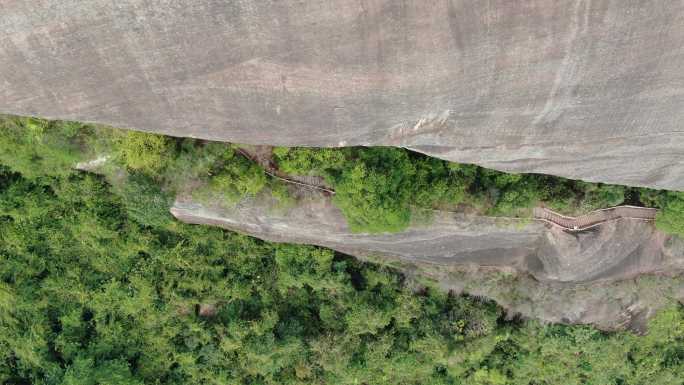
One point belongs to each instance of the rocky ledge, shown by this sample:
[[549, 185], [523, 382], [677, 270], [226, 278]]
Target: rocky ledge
[[605, 276]]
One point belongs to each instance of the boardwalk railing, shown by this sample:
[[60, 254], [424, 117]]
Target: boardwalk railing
[[594, 218], [271, 170]]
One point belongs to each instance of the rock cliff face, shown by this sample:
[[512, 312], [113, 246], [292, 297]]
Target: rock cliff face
[[603, 276], [584, 89]]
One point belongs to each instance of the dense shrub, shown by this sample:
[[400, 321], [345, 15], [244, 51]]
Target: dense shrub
[[144, 201], [671, 217], [144, 152], [309, 161], [377, 188], [598, 195]]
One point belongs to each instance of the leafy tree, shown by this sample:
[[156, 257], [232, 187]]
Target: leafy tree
[[368, 200], [235, 177], [670, 219]]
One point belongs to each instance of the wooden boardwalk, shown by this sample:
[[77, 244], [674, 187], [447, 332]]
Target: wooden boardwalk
[[594, 218]]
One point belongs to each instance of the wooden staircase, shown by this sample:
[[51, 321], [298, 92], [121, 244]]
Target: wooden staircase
[[594, 218]]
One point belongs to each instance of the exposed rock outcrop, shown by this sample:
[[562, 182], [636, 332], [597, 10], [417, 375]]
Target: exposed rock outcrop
[[585, 89], [601, 276]]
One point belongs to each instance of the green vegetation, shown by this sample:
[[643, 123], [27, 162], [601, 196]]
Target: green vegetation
[[375, 187], [671, 216], [237, 177], [36, 147], [148, 168], [99, 285], [143, 152], [378, 189], [94, 290]]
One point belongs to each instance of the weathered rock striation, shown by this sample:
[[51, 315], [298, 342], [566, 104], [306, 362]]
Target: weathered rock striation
[[585, 89]]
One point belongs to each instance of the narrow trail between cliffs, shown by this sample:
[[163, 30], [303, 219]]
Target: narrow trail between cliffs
[[543, 214]]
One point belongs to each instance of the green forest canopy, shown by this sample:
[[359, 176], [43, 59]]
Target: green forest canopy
[[90, 295], [99, 285]]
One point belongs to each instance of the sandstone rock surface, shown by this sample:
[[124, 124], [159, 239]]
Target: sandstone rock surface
[[584, 89]]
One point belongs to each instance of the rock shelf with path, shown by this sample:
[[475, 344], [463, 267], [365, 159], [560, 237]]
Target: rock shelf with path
[[265, 161]]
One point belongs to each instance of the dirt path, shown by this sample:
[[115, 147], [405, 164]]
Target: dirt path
[[594, 218]]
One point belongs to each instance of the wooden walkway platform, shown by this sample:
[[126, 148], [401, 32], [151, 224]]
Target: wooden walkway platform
[[594, 218]]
